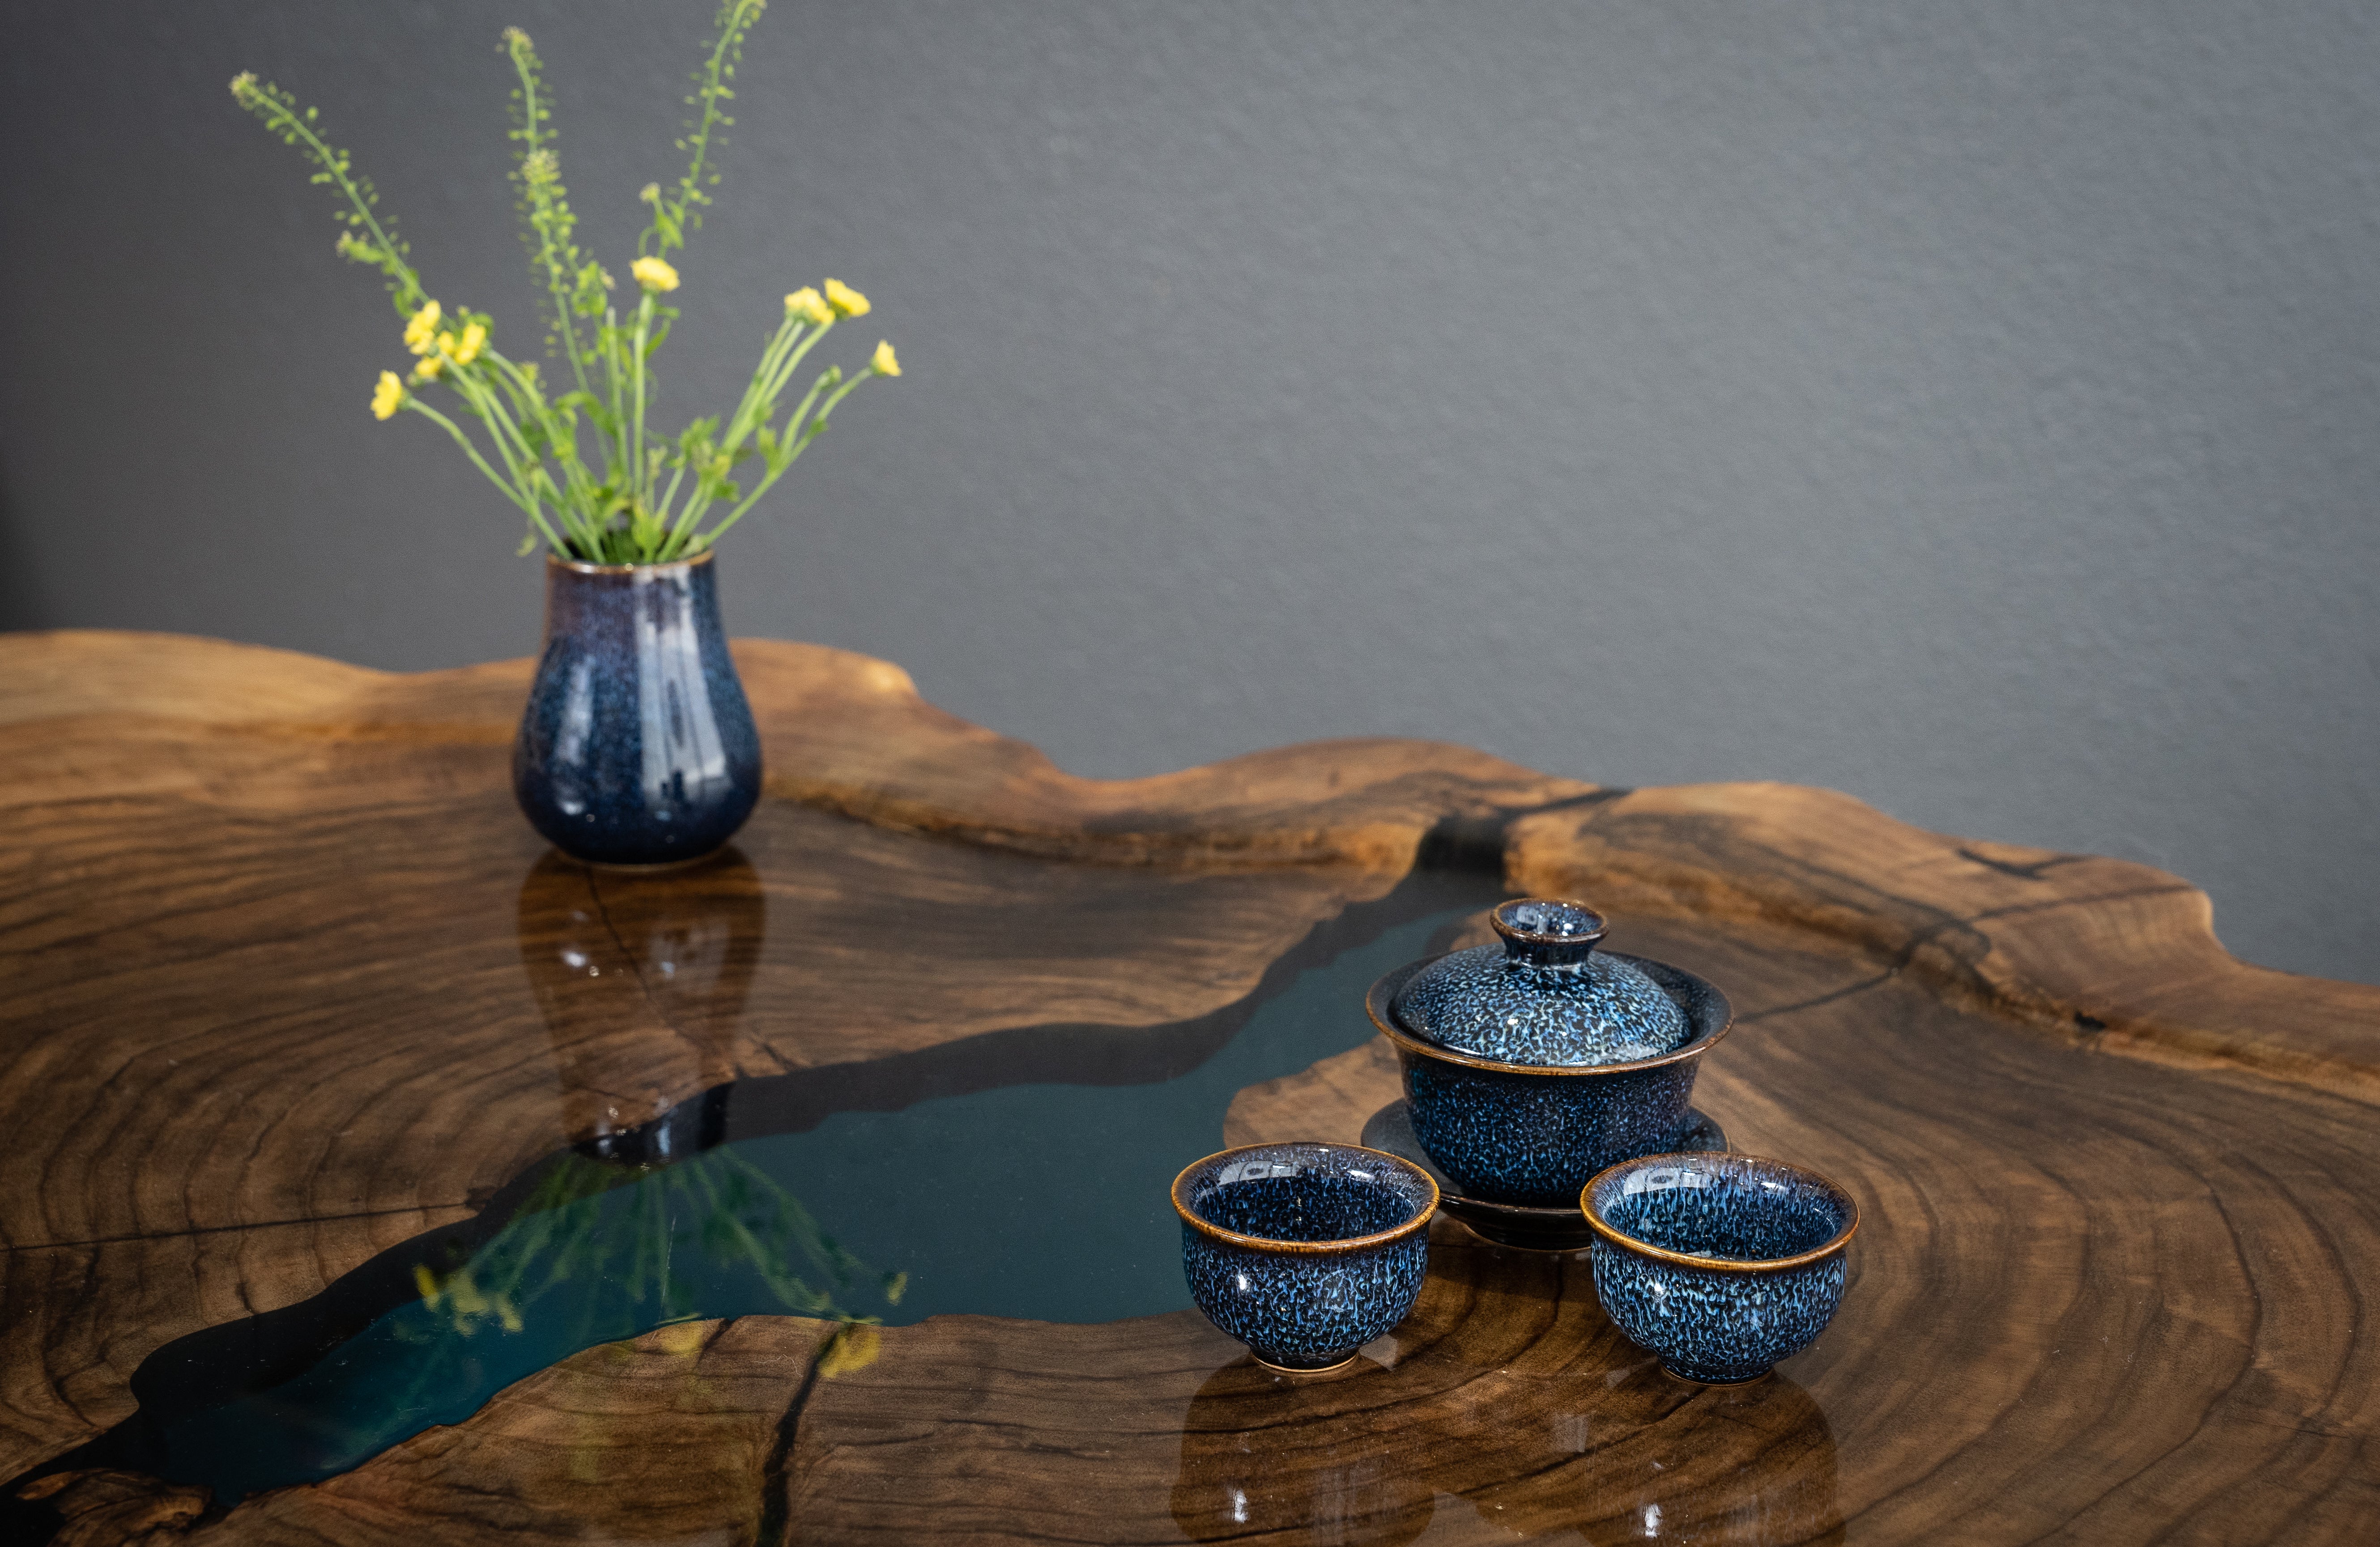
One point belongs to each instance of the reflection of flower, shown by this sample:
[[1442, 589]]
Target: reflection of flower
[[854, 1346], [593, 1231], [463, 1298]]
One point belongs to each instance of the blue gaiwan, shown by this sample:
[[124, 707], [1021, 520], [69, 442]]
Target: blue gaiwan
[[1533, 1064]]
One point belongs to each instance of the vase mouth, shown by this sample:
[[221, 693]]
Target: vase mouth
[[580, 566]]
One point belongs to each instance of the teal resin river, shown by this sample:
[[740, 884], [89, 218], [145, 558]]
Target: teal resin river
[[1045, 1202]]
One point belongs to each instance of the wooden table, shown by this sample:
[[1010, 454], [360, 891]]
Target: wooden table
[[270, 930]]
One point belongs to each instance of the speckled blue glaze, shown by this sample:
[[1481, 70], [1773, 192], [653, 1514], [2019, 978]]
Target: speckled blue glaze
[[1532, 1136], [1304, 1252], [1719, 1264], [1542, 996], [638, 746], [1528, 1139]]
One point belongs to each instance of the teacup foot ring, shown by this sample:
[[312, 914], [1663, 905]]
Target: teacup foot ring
[[1304, 1368], [1693, 1379]]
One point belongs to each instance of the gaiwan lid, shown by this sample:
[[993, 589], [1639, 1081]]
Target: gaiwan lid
[[1543, 996]]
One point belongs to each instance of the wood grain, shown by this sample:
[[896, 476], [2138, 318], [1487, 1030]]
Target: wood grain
[[288, 970], [1504, 1406], [293, 983]]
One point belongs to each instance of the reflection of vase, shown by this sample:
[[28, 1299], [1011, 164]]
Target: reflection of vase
[[637, 747], [642, 982]]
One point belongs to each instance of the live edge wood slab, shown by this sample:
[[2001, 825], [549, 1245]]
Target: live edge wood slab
[[263, 921]]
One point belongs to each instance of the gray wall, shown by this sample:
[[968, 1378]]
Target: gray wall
[[1970, 407]]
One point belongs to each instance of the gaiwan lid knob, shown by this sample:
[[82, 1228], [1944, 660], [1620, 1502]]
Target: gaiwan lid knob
[[1543, 996]]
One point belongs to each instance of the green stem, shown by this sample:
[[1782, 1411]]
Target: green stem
[[792, 363], [757, 393], [660, 511], [644, 323], [418, 406], [734, 22], [617, 373], [411, 299], [809, 434], [558, 281], [560, 436]]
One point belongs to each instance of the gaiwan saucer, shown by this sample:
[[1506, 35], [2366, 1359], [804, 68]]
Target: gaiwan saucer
[[1514, 1225]]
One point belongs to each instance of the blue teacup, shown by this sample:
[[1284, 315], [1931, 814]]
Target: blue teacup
[[1304, 1252], [1719, 1264]]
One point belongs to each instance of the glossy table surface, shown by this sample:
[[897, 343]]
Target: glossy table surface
[[378, 1176]]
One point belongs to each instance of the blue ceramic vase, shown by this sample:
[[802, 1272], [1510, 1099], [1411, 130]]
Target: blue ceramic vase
[[637, 747]]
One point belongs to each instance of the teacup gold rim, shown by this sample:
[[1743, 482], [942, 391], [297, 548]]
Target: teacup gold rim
[[1266, 1243], [1376, 1004], [580, 566], [1625, 1242]]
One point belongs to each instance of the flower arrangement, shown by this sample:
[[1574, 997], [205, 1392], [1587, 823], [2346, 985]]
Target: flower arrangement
[[655, 499]]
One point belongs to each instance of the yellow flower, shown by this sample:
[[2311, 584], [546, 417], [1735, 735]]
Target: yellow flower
[[886, 363], [386, 400], [654, 275], [474, 339], [429, 367], [845, 299], [422, 331], [810, 306]]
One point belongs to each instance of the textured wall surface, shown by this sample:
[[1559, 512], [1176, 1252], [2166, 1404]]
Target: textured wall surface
[[1969, 407]]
